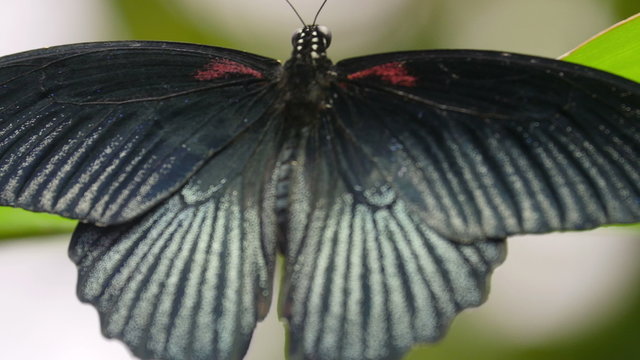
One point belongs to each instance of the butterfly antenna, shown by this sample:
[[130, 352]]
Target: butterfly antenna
[[297, 14], [318, 13]]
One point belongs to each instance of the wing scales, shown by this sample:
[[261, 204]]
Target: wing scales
[[102, 132], [179, 288], [190, 279], [366, 278], [488, 145], [380, 283]]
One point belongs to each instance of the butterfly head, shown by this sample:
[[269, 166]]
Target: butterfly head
[[310, 43]]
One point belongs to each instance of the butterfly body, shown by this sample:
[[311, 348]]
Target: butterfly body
[[388, 182]]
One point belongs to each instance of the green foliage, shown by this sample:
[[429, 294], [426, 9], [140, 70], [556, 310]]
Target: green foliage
[[21, 223], [616, 50], [624, 8], [163, 20]]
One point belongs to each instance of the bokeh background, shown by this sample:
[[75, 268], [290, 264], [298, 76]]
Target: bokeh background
[[559, 296]]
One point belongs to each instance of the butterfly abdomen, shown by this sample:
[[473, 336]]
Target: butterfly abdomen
[[283, 181]]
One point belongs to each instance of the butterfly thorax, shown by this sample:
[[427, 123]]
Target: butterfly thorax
[[307, 75]]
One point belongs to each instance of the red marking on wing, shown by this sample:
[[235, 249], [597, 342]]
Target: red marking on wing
[[394, 73], [222, 68]]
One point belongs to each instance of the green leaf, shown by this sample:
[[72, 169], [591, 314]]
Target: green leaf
[[616, 50], [21, 223]]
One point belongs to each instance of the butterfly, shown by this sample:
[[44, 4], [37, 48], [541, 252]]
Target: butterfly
[[388, 182]]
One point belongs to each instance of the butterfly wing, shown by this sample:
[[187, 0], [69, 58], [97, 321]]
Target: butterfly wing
[[487, 144], [421, 165], [190, 278], [102, 132], [366, 277]]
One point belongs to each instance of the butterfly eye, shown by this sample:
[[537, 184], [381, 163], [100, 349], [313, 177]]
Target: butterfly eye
[[326, 33], [296, 35]]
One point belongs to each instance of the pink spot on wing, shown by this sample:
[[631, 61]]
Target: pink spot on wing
[[222, 68], [394, 73]]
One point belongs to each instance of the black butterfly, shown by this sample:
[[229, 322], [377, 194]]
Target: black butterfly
[[388, 182]]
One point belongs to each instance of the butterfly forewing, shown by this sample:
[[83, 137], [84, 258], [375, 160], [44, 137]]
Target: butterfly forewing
[[103, 131], [487, 144]]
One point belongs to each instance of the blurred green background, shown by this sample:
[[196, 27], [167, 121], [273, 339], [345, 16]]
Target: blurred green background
[[548, 28]]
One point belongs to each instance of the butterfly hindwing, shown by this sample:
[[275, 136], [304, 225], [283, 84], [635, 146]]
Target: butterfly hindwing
[[487, 144], [190, 278], [104, 131], [366, 278]]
